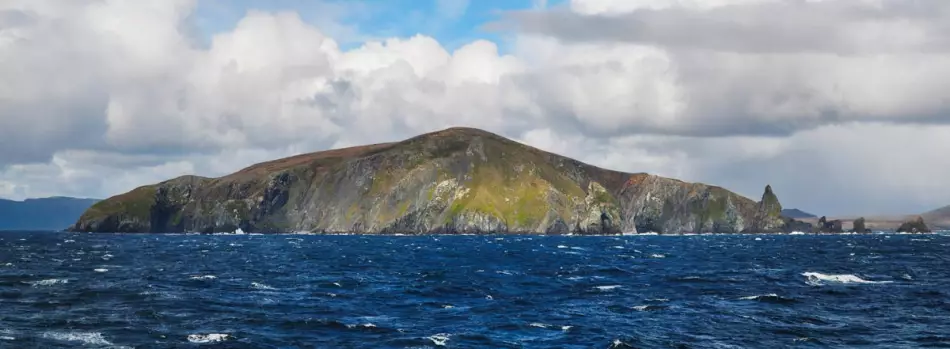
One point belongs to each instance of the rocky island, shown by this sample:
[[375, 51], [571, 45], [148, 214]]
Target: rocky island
[[458, 180]]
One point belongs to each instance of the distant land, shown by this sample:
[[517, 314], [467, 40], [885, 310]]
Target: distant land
[[797, 214], [458, 180], [938, 219], [55, 213]]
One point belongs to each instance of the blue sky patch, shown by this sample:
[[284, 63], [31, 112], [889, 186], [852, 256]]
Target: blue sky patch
[[452, 22]]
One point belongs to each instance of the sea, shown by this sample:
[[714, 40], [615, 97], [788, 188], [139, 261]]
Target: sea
[[69, 290]]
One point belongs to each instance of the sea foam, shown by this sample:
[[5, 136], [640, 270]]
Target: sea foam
[[817, 279], [261, 286], [439, 339], [48, 282], [87, 338], [208, 338]]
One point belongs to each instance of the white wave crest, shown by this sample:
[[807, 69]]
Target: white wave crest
[[261, 286], [657, 255], [87, 338], [751, 298], [440, 339], [607, 288], [817, 279], [48, 282], [100, 270], [208, 338], [204, 277]]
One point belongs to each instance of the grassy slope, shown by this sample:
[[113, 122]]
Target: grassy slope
[[522, 195]]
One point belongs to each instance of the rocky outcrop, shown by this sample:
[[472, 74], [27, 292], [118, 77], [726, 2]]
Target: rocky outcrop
[[859, 226], [793, 225], [826, 226], [453, 181], [915, 225]]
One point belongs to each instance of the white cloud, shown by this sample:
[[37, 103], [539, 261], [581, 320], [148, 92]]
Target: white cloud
[[101, 96]]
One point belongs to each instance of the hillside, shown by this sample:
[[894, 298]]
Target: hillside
[[56, 213], [797, 214], [458, 180], [939, 218]]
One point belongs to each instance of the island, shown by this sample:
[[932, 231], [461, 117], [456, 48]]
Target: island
[[454, 181]]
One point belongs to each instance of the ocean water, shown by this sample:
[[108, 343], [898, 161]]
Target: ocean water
[[61, 290]]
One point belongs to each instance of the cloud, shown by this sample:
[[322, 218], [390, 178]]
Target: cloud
[[100, 96], [843, 27]]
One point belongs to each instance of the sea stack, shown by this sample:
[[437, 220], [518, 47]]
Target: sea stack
[[858, 226]]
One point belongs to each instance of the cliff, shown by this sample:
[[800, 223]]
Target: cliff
[[457, 180]]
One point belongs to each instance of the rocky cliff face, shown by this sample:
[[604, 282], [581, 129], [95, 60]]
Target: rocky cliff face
[[453, 181]]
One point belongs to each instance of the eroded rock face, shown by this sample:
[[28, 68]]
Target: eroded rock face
[[826, 226], [452, 181], [859, 226], [915, 225]]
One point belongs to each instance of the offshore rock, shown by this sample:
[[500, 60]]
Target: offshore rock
[[825, 226], [859, 226], [458, 180], [915, 225]]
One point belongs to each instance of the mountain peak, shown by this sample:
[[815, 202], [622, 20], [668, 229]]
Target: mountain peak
[[460, 132]]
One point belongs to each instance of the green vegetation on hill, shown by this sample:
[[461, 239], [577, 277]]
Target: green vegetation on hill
[[455, 180]]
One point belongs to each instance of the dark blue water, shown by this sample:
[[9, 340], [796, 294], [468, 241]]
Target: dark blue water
[[164, 291]]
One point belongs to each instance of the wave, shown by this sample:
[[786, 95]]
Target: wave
[[261, 286], [768, 298], [203, 277], [366, 325], [208, 338], [546, 326], [607, 288], [100, 270], [618, 344], [649, 307], [86, 338], [48, 282], [657, 255], [818, 279], [439, 339]]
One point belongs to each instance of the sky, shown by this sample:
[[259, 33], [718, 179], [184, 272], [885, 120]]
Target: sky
[[841, 105]]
